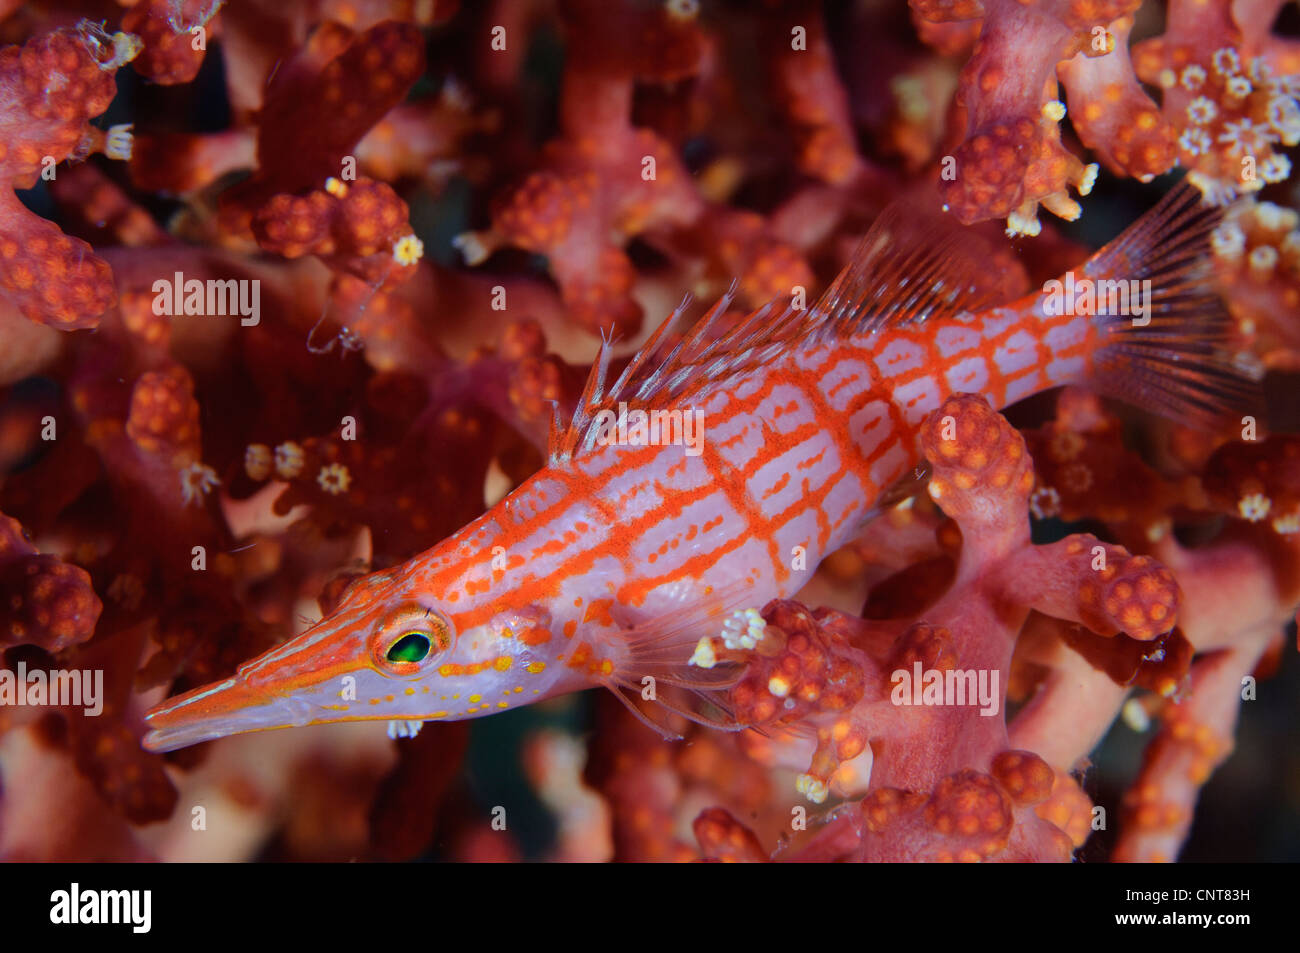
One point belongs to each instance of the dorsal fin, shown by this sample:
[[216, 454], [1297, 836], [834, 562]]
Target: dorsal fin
[[667, 369], [910, 266]]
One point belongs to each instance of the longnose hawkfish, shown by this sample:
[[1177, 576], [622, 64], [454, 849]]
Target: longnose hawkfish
[[613, 564]]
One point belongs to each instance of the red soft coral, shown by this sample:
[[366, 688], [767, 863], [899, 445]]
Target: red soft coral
[[52, 87]]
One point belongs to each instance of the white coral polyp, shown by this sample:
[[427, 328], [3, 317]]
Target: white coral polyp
[[1284, 118], [1274, 169], [1226, 62], [744, 630], [1195, 142], [1202, 110], [1247, 137], [1193, 78], [197, 481], [1228, 240]]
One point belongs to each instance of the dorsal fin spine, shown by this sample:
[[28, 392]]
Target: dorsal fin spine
[[903, 271]]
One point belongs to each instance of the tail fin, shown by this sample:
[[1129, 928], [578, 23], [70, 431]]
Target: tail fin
[[1178, 360]]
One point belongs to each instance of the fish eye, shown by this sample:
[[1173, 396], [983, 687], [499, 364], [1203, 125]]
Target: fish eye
[[406, 641], [412, 647]]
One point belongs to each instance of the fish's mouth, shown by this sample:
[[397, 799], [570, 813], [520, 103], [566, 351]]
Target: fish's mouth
[[226, 708]]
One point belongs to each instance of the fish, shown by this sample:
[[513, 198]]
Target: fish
[[609, 565]]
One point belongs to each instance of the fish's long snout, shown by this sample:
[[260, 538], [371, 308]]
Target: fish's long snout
[[214, 711], [281, 688]]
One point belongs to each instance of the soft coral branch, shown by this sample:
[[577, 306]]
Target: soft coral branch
[[51, 88], [942, 780]]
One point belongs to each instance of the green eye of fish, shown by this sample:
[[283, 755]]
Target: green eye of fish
[[411, 647]]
